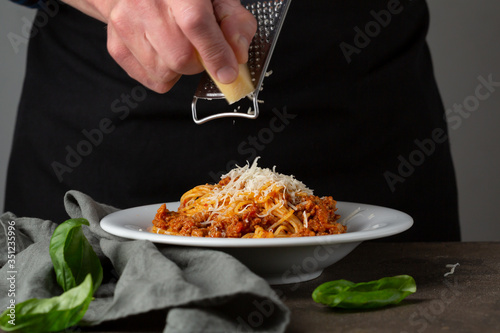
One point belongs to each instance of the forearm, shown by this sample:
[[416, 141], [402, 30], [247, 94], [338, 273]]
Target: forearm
[[96, 9]]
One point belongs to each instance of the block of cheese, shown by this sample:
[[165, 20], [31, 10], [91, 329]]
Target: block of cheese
[[239, 88]]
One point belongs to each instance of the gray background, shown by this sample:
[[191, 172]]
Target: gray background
[[464, 41]]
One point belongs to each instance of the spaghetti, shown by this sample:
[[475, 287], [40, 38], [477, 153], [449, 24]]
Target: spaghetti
[[250, 202]]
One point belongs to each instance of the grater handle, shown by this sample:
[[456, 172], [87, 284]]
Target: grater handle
[[253, 115]]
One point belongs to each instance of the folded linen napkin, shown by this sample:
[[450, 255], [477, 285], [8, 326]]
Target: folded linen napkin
[[199, 290]]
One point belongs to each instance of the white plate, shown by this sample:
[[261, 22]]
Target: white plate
[[278, 260]]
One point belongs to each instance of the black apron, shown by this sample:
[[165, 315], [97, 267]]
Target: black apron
[[351, 109]]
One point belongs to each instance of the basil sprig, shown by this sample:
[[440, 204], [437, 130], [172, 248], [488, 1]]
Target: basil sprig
[[72, 255], [365, 295], [51, 314], [79, 273]]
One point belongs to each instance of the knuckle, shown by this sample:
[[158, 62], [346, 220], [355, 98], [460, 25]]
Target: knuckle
[[118, 22], [180, 63], [151, 65], [194, 19], [162, 87], [215, 53], [117, 51], [251, 21]]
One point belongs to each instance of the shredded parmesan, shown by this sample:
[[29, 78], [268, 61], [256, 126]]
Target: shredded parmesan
[[452, 268], [255, 179], [350, 216], [255, 182], [269, 211]]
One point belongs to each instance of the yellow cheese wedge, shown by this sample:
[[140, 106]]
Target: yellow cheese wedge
[[239, 88]]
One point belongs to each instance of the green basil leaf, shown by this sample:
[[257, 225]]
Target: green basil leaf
[[49, 314], [365, 295], [72, 255]]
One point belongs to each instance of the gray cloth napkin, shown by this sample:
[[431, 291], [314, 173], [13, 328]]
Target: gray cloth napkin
[[199, 290]]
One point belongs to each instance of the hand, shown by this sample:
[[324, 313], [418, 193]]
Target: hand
[[156, 42]]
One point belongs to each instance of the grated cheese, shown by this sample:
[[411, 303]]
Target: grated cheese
[[452, 268], [350, 216], [252, 181]]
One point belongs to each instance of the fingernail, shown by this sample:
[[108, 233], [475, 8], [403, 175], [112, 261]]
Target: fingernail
[[243, 41], [226, 74], [244, 45]]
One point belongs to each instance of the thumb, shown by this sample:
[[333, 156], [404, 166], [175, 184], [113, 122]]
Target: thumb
[[220, 30]]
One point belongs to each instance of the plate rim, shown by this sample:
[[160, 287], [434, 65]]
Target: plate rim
[[401, 223]]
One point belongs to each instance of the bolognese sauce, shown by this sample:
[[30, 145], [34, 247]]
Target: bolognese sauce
[[250, 202]]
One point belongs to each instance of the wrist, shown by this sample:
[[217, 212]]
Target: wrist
[[97, 9]]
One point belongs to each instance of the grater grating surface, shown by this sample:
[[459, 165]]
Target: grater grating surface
[[270, 16]]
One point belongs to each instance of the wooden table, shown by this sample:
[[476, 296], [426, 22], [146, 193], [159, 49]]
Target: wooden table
[[466, 301]]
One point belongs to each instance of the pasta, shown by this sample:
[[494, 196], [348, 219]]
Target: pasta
[[250, 202]]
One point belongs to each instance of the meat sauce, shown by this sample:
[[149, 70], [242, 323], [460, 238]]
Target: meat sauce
[[321, 220]]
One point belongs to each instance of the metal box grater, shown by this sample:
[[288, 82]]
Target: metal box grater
[[270, 16]]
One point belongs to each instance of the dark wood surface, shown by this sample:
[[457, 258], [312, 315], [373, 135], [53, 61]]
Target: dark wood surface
[[466, 301]]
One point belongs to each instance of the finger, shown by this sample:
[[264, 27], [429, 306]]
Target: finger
[[197, 22], [137, 33], [238, 26], [170, 45], [125, 58]]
